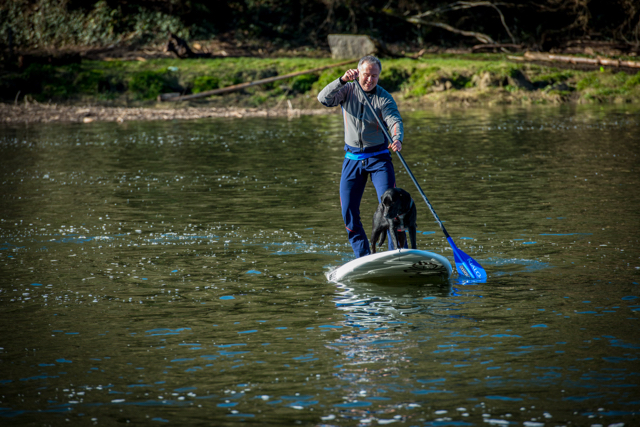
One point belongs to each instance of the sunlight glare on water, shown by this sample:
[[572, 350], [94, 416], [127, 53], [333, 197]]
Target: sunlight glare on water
[[174, 272]]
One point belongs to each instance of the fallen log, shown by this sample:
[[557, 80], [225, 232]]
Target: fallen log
[[536, 56], [501, 46], [168, 97]]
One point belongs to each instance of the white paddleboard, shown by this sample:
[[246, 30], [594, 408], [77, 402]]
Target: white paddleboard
[[394, 265]]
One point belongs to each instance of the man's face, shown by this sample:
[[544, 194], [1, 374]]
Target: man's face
[[368, 75]]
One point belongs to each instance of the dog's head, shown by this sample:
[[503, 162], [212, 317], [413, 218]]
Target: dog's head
[[396, 202]]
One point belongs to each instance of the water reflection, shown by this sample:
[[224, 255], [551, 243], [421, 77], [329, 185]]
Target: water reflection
[[371, 305], [375, 352]]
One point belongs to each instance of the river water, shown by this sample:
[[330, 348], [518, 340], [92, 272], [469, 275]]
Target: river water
[[175, 273]]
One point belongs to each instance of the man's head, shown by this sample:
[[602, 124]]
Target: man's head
[[369, 69]]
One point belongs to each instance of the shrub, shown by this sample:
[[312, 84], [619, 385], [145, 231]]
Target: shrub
[[327, 77], [149, 84], [93, 82], [258, 100], [153, 26], [420, 81], [591, 81], [51, 23], [304, 83], [633, 81], [45, 82], [552, 78], [621, 78], [460, 80], [392, 79], [205, 83]]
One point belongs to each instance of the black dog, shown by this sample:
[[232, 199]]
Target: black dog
[[395, 213]]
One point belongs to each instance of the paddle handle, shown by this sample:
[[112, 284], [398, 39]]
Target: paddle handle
[[413, 178]]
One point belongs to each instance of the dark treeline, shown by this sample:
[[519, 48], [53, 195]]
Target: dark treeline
[[537, 24]]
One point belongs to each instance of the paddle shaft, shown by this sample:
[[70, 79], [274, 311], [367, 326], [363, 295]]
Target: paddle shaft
[[413, 178]]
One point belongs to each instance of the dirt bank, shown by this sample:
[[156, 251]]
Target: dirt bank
[[47, 113]]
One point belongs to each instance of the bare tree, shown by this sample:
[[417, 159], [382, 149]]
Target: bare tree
[[460, 5]]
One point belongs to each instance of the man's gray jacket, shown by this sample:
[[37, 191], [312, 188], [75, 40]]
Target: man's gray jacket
[[361, 130]]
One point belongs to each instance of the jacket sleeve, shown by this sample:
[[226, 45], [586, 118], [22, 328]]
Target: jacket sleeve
[[333, 94], [393, 120]]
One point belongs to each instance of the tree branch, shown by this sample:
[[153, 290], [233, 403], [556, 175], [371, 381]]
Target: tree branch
[[460, 5], [483, 38]]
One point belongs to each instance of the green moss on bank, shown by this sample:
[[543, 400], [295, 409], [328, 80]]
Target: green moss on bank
[[470, 79]]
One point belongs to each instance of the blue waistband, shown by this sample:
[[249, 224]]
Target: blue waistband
[[361, 156]]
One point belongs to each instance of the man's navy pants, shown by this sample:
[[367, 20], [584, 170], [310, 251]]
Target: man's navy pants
[[352, 182]]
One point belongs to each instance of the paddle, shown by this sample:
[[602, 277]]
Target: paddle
[[465, 265]]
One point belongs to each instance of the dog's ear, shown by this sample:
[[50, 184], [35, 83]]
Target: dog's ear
[[387, 199]]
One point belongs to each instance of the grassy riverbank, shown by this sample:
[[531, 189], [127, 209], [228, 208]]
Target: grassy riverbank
[[490, 79]]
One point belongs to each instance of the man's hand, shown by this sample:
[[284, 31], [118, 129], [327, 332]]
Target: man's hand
[[396, 146], [350, 75]]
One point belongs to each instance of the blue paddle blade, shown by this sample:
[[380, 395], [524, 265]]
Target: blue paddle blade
[[467, 266]]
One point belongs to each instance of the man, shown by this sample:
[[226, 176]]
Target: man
[[366, 146]]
